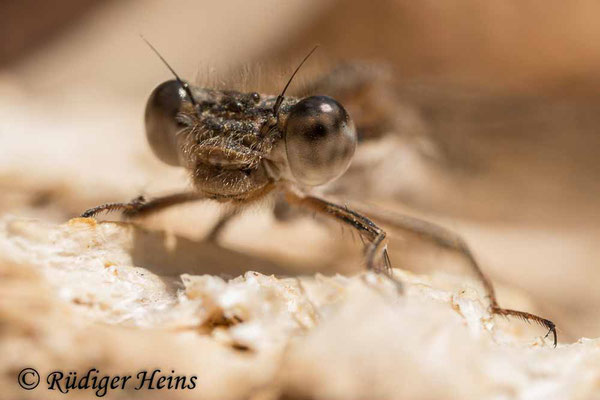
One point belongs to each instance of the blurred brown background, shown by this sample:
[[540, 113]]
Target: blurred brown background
[[505, 92]]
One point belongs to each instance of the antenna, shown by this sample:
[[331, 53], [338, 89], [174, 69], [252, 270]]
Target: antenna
[[183, 84], [280, 97]]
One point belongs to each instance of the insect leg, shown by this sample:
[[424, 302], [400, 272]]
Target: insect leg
[[374, 234], [451, 240], [224, 219], [140, 206]]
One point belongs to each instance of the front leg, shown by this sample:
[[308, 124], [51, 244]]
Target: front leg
[[446, 238], [366, 228], [140, 206]]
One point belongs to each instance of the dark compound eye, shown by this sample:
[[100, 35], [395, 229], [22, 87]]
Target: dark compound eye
[[320, 140], [161, 125]]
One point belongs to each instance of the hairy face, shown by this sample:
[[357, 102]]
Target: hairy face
[[224, 138]]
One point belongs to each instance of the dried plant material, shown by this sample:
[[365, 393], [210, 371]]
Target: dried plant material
[[77, 286]]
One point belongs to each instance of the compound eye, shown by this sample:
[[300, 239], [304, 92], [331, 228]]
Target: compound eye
[[320, 140], [161, 126]]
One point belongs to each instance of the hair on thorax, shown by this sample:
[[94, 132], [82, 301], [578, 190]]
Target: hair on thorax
[[262, 77]]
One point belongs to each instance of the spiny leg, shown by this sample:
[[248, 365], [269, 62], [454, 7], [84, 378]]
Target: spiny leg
[[451, 240], [224, 219], [373, 233], [140, 206]]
